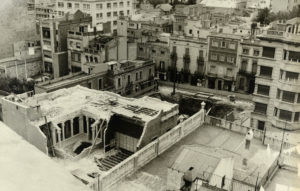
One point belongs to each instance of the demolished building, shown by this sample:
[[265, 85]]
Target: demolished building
[[71, 122]]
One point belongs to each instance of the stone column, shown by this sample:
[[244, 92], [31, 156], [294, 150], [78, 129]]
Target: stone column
[[93, 132], [63, 130], [53, 131], [72, 127], [87, 126], [81, 124], [59, 137]]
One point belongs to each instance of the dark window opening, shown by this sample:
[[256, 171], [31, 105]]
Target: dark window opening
[[285, 115], [268, 52]]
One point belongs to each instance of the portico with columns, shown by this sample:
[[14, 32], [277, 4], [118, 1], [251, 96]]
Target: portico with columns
[[77, 127]]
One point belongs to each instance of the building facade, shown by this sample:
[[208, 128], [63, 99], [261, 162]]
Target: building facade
[[101, 11], [223, 61], [277, 86], [53, 34]]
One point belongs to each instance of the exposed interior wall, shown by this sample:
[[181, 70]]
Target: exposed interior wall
[[16, 117]]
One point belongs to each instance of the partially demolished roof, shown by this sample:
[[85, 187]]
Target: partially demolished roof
[[59, 104]]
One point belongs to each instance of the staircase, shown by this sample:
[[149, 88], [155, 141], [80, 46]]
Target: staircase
[[108, 162]]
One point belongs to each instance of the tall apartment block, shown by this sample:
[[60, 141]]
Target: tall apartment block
[[106, 11], [277, 83], [54, 41]]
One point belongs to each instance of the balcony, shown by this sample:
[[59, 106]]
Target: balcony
[[247, 73]]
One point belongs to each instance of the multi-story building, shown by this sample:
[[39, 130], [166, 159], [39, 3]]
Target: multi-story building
[[101, 11], [159, 53], [277, 83], [44, 11], [26, 62], [54, 41], [132, 78], [223, 61], [190, 57]]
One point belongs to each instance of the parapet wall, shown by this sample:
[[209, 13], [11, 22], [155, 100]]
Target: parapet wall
[[146, 154]]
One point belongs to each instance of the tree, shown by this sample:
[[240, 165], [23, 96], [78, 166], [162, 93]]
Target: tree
[[263, 16], [13, 85]]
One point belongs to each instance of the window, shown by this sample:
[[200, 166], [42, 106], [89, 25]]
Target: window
[[108, 14], [153, 51], [69, 5], [298, 100], [229, 72], [275, 111], [285, 115], [268, 52], [190, 31], [232, 45], [266, 71], [121, 13], [150, 72], [108, 5], [121, 4], [212, 69], [60, 4], [141, 75], [86, 6], [223, 44], [162, 52], [222, 58], [244, 65], [261, 125], [215, 43], [278, 94], [115, 22], [77, 5], [128, 12], [96, 59], [230, 59], [255, 52], [136, 76], [254, 66], [260, 108], [128, 79], [288, 96], [263, 90], [115, 13], [99, 15], [214, 56], [162, 65], [115, 4], [296, 118], [245, 51], [98, 6], [291, 76], [294, 56]]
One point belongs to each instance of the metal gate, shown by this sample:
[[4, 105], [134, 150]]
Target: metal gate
[[126, 142]]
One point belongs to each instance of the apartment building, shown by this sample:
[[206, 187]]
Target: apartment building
[[159, 53], [101, 11], [223, 61], [132, 78], [277, 83], [54, 41]]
